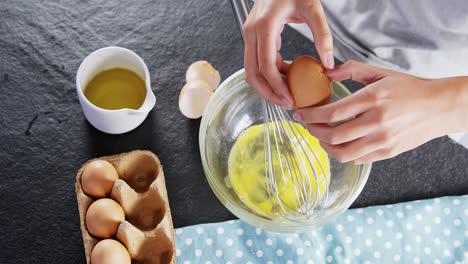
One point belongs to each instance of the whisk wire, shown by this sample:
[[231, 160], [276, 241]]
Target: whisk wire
[[294, 134], [299, 164], [291, 153], [278, 199], [295, 158], [277, 128], [292, 129]]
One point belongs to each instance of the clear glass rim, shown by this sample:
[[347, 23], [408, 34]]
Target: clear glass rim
[[223, 91]]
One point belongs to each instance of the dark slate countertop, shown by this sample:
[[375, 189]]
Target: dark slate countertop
[[45, 138]]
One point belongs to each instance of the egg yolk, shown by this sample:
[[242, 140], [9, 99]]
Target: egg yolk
[[246, 169]]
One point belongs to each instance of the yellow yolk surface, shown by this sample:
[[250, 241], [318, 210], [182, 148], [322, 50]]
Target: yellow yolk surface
[[246, 168]]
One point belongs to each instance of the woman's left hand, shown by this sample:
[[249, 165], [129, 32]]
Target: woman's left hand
[[394, 113]]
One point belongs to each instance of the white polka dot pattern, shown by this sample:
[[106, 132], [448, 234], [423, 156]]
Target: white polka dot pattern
[[425, 231]]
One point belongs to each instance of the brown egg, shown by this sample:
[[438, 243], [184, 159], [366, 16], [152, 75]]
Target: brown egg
[[98, 178], [109, 251], [308, 83], [104, 217]]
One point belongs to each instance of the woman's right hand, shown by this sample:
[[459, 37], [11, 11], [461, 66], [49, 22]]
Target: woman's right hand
[[263, 63]]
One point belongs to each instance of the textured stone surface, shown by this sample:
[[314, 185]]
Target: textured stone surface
[[44, 137]]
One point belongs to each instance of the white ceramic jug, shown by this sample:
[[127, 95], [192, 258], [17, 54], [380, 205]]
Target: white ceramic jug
[[121, 120]]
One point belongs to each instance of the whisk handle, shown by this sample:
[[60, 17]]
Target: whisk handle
[[241, 10]]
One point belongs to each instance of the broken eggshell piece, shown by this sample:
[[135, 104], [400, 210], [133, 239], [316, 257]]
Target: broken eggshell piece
[[193, 98], [308, 83], [203, 70]]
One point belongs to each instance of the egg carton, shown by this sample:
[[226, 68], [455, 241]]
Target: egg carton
[[147, 232]]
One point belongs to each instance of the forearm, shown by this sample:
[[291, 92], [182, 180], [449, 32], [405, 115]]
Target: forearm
[[455, 96]]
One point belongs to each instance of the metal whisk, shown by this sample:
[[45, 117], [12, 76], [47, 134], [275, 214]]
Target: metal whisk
[[299, 168], [285, 146]]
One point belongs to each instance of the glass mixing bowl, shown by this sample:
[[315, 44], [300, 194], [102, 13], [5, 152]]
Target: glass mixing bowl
[[234, 107]]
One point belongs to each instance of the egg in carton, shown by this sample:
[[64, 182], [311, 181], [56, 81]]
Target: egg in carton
[[147, 232]]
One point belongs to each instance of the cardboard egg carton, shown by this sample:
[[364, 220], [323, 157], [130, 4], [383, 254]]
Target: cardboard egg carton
[[147, 232]]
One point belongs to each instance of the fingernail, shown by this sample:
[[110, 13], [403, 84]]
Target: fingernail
[[287, 103], [330, 60], [297, 116]]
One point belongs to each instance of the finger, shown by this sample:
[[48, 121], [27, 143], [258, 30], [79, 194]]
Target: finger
[[315, 18], [265, 91], [267, 57], [344, 132], [374, 156], [255, 79], [252, 75], [282, 66], [345, 108], [358, 71], [352, 150], [278, 39], [249, 26], [250, 52]]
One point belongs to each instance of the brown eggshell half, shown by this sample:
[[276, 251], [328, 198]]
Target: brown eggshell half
[[308, 83]]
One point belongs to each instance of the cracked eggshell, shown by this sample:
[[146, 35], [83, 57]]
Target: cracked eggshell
[[203, 70], [193, 98], [308, 83]]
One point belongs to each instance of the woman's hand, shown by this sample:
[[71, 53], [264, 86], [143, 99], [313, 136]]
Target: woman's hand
[[394, 113], [262, 31]]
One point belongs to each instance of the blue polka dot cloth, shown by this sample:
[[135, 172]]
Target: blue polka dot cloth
[[425, 231]]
